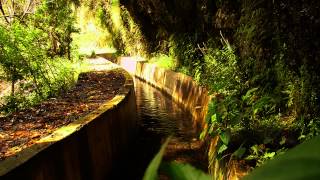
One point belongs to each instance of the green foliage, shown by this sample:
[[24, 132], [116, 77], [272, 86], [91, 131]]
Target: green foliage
[[92, 36], [225, 137], [221, 74], [260, 154], [183, 48], [58, 76], [57, 20], [131, 35], [312, 129], [163, 61], [33, 53], [301, 162], [221, 71], [126, 35], [238, 110], [20, 55]]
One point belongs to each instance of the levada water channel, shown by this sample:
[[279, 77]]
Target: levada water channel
[[159, 117]]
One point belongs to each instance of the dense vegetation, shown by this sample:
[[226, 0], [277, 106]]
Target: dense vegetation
[[35, 49], [258, 58]]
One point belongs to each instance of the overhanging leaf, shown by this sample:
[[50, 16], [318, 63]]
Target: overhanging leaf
[[301, 162], [225, 136], [239, 152], [152, 170], [249, 94], [179, 171]]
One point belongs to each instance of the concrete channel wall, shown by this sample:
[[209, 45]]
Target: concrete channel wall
[[186, 92], [183, 89], [85, 149]]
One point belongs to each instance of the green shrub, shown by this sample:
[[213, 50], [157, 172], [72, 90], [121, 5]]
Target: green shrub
[[164, 61], [25, 63]]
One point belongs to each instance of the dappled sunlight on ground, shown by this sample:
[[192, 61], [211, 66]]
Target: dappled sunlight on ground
[[4, 90], [101, 64]]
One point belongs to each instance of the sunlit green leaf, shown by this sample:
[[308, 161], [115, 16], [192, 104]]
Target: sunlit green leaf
[[225, 136], [255, 149], [251, 157], [269, 155], [214, 118], [222, 148], [203, 134]]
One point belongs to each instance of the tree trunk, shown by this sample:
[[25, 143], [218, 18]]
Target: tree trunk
[[69, 51], [12, 87]]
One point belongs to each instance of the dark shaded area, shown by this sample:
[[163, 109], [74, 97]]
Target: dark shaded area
[[287, 27], [259, 58], [198, 21], [276, 42]]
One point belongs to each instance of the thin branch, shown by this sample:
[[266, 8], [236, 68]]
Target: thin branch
[[4, 14], [10, 8], [26, 9], [203, 50], [15, 15], [13, 6]]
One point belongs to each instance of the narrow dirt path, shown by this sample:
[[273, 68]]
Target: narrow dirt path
[[22, 129]]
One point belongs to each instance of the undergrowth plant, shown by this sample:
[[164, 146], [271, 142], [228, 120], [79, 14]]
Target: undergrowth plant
[[245, 118], [306, 168], [126, 35], [163, 61], [183, 48], [36, 54]]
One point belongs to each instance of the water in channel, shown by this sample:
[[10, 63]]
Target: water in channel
[[158, 118]]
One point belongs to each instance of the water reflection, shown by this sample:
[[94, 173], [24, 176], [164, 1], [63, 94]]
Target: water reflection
[[159, 117], [159, 114]]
